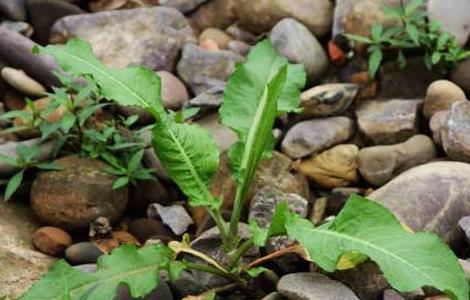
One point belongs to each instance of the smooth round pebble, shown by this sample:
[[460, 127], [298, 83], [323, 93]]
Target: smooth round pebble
[[82, 253], [51, 240], [19, 80]]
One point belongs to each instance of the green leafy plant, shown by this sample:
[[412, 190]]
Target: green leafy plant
[[413, 31], [259, 90], [26, 159]]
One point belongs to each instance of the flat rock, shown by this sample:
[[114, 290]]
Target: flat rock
[[44, 13], [215, 13], [388, 122], [464, 224], [431, 197], [72, 198], [328, 99], [223, 136], [440, 96], [151, 37], [379, 164], [293, 40], [461, 75], [456, 134], [203, 69], [261, 16], [21, 265], [174, 92], [438, 124], [335, 167], [453, 17], [22, 82], [182, 6], [39, 67], [310, 286], [217, 35], [174, 216], [313, 136], [13, 9]]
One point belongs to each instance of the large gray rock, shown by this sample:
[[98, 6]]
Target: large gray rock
[[13, 9], [461, 75], [260, 16], [379, 164], [204, 70], [21, 265], [182, 6], [39, 67], [440, 95], [215, 13], [142, 36], [223, 136], [312, 286], [388, 122], [453, 16], [456, 133], [294, 41], [431, 197], [315, 135]]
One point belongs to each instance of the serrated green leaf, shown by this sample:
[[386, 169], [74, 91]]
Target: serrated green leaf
[[13, 184], [138, 269], [136, 86], [408, 261], [190, 156]]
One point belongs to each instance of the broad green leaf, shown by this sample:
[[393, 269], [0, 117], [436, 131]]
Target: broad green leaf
[[134, 161], [375, 59], [120, 182], [277, 226], [256, 271], [436, 57], [376, 32], [408, 261], [13, 184], [49, 166], [136, 86], [22, 114], [138, 269], [9, 160], [190, 156], [413, 32]]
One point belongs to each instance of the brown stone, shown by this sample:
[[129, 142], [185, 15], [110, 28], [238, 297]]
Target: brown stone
[[216, 13], [335, 167], [455, 135], [51, 240], [441, 94], [77, 195], [368, 86], [220, 37]]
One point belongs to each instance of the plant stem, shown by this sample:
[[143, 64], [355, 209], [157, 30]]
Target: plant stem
[[220, 223], [210, 269], [245, 246], [236, 213]]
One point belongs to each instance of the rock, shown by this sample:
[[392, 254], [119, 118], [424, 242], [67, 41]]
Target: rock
[[328, 100], [303, 286], [144, 229], [294, 41], [431, 197], [151, 161], [224, 137], [174, 216], [22, 28], [44, 13], [379, 164], [440, 96], [22, 82], [86, 268], [9, 149], [338, 198], [215, 13], [220, 37], [437, 124], [124, 237], [261, 16], [174, 92], [13, 9], [273, 172], [51, 240], [388, 122], [100, 228], [466, 267], [240, 34], [40, 105], [151, 37], [82, 253], [313, 136], [392, 295], [335, 167], [273, 296], [39, 67], [12, 100], [461, 75], [147, 192], [464, 224], [77, 195], [455, 135], [161, 292], [204, 69], [239, 47], [453, 17], [368, 86], [210, 100], [21, 264], [394, 83], [182, 6]]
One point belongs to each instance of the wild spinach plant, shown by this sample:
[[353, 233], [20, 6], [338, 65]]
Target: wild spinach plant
[[412, 31], [79, 102], [259, 90]]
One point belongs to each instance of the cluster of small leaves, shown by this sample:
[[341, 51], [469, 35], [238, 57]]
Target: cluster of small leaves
[[262, 88], [77, 131], [412, 31]]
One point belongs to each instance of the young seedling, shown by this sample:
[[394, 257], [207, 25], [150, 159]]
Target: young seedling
[[262, 88], [413, 31]]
